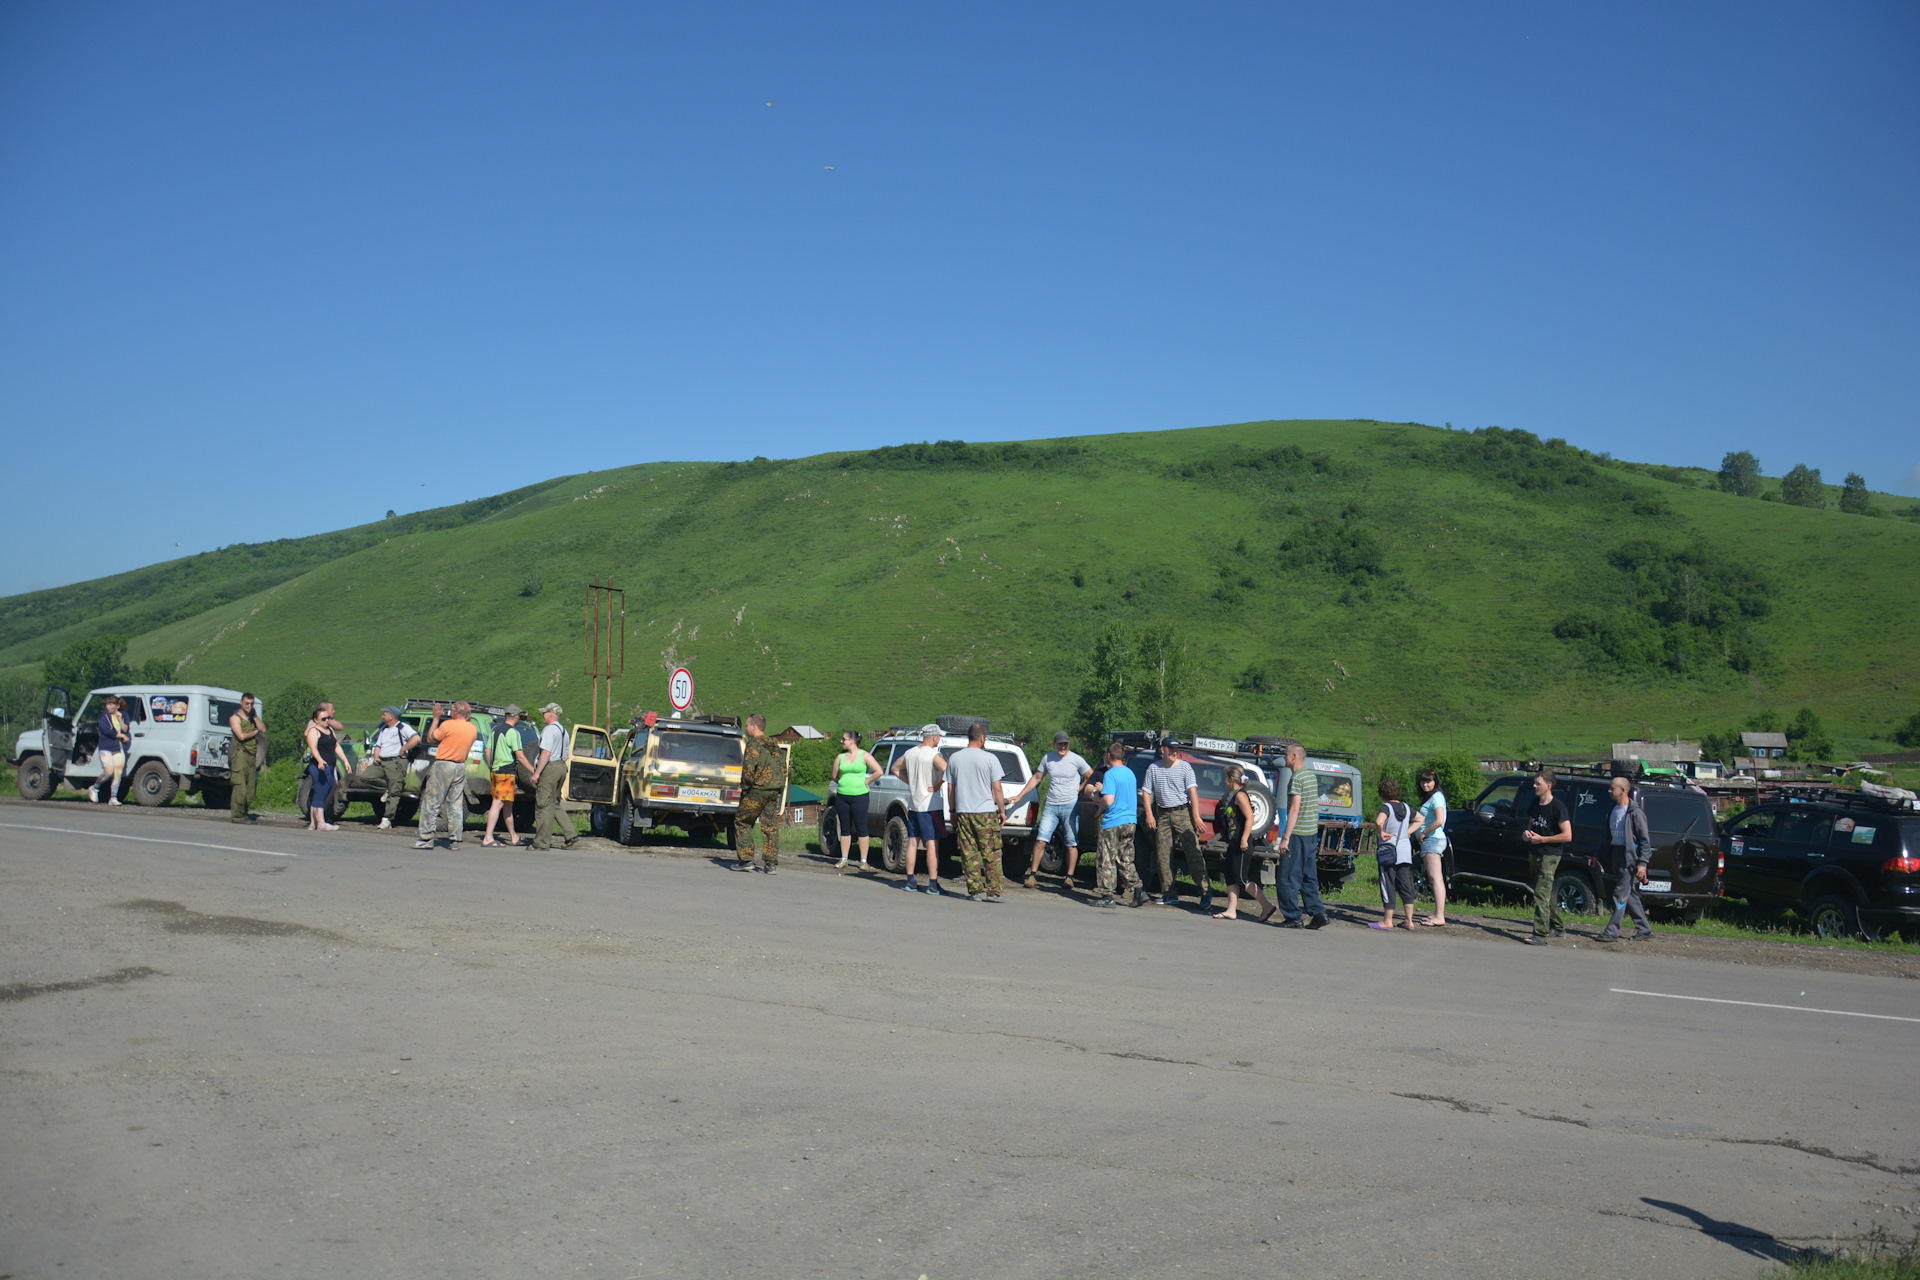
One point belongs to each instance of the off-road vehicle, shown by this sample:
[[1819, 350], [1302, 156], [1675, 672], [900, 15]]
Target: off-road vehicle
[[680, 772], [1848, 862], [1683, 874], [180, 741], [887, 809]]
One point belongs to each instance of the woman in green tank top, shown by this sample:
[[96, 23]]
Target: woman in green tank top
[[849, 774]]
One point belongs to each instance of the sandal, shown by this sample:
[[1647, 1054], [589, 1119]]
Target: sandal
[[1379, 924], [1268, 913], [489, 844], [1431, 923]]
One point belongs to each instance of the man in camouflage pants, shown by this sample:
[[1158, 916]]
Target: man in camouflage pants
[[763, 781], [979, 805]]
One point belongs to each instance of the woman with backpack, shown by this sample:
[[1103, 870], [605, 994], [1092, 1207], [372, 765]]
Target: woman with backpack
[[1395, 855], [1431, 828], [1233, 820]]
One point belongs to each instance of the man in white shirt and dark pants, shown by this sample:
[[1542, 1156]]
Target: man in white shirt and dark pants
[[388, 765], [549, 774]]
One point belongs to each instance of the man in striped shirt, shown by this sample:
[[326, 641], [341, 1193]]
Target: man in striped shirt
[[1299, 873]]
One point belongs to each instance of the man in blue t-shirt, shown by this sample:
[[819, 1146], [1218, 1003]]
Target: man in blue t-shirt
[[1120, 808]]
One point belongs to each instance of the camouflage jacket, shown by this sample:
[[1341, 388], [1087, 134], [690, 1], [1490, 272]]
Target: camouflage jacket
[[763, 766]]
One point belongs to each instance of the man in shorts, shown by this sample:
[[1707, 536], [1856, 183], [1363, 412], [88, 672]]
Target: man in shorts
[[1065, 772], [1120, 806], [921, 769], [979, 806]]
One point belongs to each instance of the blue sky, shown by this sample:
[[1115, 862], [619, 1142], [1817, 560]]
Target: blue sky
[[272, 269]]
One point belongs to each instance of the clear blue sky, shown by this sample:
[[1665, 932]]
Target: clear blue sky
[[271, 269]]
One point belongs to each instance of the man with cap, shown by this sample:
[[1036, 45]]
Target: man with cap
[[920, 769], [506, 756], [1065, 773], [387, 764], [763, 784], [549, 775]]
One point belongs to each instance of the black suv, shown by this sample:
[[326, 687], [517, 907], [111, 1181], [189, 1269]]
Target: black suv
[[1683, 873], [1850, 864]]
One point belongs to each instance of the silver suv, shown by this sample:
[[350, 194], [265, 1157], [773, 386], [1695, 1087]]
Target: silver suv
[[180, 742], [887, 810]]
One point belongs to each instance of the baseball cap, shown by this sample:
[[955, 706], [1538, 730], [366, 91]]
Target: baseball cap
[[1061, 737], [514, 711], [932, 729], [391, 711], [551, 706]]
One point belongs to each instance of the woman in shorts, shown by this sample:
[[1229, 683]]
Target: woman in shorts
[[112, 750], [1431, 829], [850, 771], [1395, 855]]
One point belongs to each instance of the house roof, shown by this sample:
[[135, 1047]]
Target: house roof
[[1776, 740], [807, 731], [1667, 752]]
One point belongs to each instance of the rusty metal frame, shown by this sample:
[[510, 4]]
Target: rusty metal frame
[[605, 635]]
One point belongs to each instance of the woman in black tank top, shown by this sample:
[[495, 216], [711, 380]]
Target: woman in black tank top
[[323, 774], [1233, 820]]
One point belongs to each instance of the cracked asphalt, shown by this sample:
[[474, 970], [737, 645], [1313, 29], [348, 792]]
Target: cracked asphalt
[[336, 1056]]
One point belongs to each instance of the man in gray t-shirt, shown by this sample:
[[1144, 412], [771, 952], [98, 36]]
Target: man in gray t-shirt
[[979, 806], [1170, 796], [1065, 773]]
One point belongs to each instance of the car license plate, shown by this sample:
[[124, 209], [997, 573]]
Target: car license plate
[[1659, 886], [699, 793]]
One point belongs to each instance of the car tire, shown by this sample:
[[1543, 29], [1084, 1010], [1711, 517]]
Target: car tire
[[216, 795], [893, 845], [154, 784], [338, 800], [628, 829], [1833, 916], [1576, 895], [1264, 812], [33, 779], [829, 832], [1053, 854], [1692, 862]]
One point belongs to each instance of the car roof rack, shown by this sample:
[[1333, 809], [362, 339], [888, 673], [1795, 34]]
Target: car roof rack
[[1817, 793], [1606, 769], [426, 704]]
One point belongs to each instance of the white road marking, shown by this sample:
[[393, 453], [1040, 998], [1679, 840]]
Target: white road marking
[[104, 835], [1755, 1004]]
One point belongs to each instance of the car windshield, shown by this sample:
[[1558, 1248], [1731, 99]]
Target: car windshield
[[697, 748]]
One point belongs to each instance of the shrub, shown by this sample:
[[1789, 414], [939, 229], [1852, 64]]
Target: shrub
[[1908, 734], [1687, 607], [1459, 775], [286, 715]]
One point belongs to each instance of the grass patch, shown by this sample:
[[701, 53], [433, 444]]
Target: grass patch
[[1879, 1255]]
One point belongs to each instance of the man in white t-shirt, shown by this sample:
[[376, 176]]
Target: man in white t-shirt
[[549, 774], [1065, 773], [921, 769]]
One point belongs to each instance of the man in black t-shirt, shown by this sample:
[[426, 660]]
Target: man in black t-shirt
[[1549, 830]]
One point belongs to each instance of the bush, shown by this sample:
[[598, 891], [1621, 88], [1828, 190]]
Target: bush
[[1689, 606], [811, 757], [88, 664], [1459, 775], [1908, 734], [286, 715]]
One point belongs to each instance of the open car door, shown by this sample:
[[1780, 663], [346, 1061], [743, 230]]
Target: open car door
[[57, 725], [786, 749], [593, 772]]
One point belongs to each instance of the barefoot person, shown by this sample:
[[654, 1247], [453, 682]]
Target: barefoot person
[[1233, 818], [850, 772], [1431, 830], [1065, 773], [921, 769], [1395, 855]]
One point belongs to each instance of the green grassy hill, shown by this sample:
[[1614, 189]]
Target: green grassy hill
[[1395, 586]]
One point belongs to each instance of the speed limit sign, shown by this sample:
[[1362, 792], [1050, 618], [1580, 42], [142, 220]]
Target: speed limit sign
[[680, 689]]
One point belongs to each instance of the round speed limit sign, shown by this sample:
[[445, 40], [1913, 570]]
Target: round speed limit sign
[[680, 689]]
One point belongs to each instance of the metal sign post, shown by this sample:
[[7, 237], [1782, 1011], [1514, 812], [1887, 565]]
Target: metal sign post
[[606, 641]]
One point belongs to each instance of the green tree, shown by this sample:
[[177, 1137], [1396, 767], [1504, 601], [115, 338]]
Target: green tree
[[89, 664], [1106, 699], [1807, 738], [1740, 474], [1853, 495], [1164, 676], [1459, 775], [1801, 487], [286, 714], [1376, 771], [1908, 734], [156, 671]]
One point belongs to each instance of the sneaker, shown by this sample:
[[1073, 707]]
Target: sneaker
[[933, 888], [113, 799], [976, 897], [993, 897], [93, 794], [1032, 883], [1643, 937], [910, 886], [1206, 900], [1534, 940], [423, 844], [386, 824], [1557, 933], [771, 869], [1140, 897], [1318, 922], [1170, 900], [1105, 902], [569, 842], [1295, 923], [1607, 937]]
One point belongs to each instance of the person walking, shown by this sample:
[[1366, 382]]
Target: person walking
[[1630, 846], [451, 734], [979, 805], [1233, 821], [1394, 857], [243, 775], [1065, 773], [1119, 814], [323, 765], [1298, 876], [505, 756], [850, 772], [393, 744], [1172, 794], [110, 749], [1431, 831], [1549, 830], [763, 781], [549, 776], [921, 769]]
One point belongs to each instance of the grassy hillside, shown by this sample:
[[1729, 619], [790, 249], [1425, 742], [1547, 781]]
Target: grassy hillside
[[1391, 585]]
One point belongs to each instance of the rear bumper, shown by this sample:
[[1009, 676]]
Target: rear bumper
[[1892, 915]]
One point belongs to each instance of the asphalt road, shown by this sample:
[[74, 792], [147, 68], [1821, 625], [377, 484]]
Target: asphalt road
[[252, 1051]]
